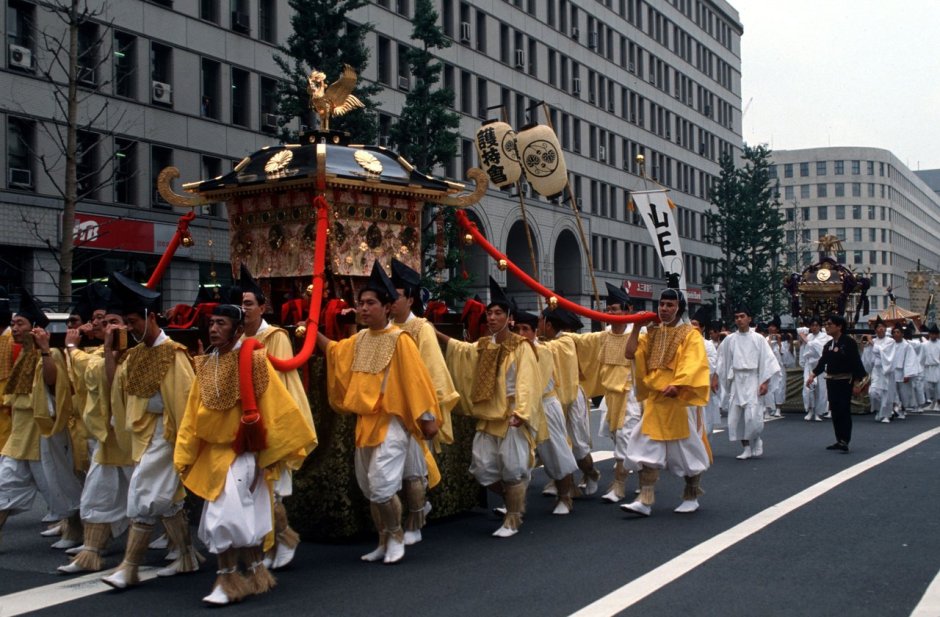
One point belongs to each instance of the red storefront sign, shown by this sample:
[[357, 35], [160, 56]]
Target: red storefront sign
[[92, 231], [694, 294], [638, 289]]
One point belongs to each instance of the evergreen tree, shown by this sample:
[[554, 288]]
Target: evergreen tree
[[747, 226], [325, 39], [426, 135]]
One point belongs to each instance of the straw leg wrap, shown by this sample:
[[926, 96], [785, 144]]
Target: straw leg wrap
[[648, 478], [415, 497], [692, 490]]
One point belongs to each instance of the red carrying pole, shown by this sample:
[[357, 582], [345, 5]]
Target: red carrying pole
[[182, 230]]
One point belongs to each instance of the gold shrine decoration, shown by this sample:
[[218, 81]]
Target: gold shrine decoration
[[165, 188], [829, 244], [335, 99]]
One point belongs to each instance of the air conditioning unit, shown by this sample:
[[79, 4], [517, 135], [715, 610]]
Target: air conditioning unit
[[404, 83], [269, 121], [520, 58], [575, 33], [384, 141], [576, 85], [241, 22], [22, 178], [592, 40], [602, 154], [21, 57], [631, 67], [465, 32], [162, 93]]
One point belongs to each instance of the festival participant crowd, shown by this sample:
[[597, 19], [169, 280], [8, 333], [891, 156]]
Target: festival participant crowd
[[114, 428]]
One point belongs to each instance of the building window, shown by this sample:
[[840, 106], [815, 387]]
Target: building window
[[466, 92], [241, 22], [820, 168], [209, 106], [856, 189], [872, 235], [871, 189], [161, 71], [821, 190], [788, 170], [268, 102], [125, 64], [804, 169], [211, 168], [20, 20], [804, 191], [840, 167], [856, 234], [857, 213], [481, 32], [160, 158], [872, 213], [383, 63], [840, 189], [788, 214], [822, 212], [404, 70], [870, 166], [125, 171], [87, 164], [241, 105], [482, 98], [788, 192], [89, 44], [267, 21], [209, 10], [401, 7], [840, 213], [21, 136], [856, 168]]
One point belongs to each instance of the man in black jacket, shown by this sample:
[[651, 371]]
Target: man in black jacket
[[843, 366]]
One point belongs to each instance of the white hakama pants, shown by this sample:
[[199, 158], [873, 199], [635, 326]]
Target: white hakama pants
[[241, 515], [683, 457], [554, 452], [65, 489], [20, 481], [104, 498], [501, 458], [154, 482], [379, 469]]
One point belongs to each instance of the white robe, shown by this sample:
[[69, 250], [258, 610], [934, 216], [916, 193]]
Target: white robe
[[745, 361], [932, 370], [815, 399], [905, 367], [711, 412], [878, 359]]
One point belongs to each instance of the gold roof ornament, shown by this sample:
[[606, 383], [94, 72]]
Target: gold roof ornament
[[829, 244], [335, 99]]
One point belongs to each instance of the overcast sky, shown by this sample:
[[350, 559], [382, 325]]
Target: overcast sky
[[843, 73]]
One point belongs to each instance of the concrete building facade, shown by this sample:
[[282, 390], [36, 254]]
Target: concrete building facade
[[191, 84], [887, 216]]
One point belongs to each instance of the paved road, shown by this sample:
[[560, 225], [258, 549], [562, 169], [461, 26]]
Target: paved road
[[801, 531]]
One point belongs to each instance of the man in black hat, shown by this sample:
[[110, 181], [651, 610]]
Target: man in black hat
[[277, 344], [408, 286], [878, 360], [37, 456], [104, 495], [746, 366], [551, 433], [378, 376], [231, 435], [605, 372], [499, 385], [150, 390], [671, 376], [931, 350]]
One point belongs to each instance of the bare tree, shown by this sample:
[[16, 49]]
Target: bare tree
[[75, 61]]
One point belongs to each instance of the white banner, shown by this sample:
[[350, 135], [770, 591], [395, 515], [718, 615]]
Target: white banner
[[660, 221]]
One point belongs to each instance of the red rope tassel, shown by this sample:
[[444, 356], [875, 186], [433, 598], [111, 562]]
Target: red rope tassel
[[251, 435]]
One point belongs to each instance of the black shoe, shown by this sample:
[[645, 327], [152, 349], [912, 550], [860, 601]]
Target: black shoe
[[835, 446], [842, 446]]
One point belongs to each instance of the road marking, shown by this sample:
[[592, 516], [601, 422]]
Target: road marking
[[73, 588], [654, 580], [929, 605]]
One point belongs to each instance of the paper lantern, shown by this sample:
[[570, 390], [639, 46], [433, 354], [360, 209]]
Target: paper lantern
[[542, 160], [496, 148]]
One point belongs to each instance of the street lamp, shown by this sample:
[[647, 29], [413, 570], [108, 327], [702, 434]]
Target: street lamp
[[717, 290]]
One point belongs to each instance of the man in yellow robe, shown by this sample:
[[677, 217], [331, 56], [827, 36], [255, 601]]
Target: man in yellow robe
[[148, 397], [36, 457], [217, 464], [500, 385], [104, 496], [379, 376], [408, 286], [277, 345], [672, 379], [605, 372]]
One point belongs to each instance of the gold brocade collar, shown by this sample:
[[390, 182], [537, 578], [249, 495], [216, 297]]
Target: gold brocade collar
[[6, 356], [146, 367], [24, 372], [663, 343], [218, 378], [374, 349], [613, 350], [490, 358], [412, 326]]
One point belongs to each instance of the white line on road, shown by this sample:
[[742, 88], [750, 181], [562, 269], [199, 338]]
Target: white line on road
[[66, 590], [654, 580], [929, 605]]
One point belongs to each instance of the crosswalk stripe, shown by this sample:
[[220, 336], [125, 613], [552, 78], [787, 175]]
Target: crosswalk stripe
[[654, 580], [66, 590]]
